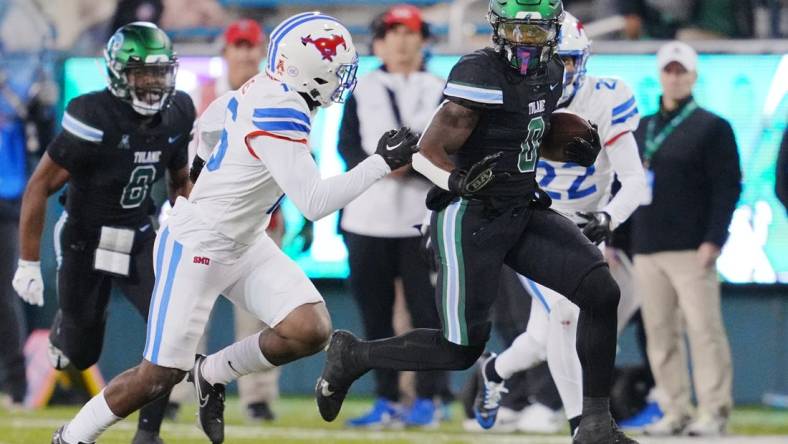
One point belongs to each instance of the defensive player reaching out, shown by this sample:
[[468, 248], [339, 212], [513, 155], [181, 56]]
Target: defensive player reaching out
[[583, 195], [215, 242], [114, 145], [487, 211]]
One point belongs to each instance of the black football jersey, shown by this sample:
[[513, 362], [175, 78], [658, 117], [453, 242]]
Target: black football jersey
[[514, 115], [114, 156]]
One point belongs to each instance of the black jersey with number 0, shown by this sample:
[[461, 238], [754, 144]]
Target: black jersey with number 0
[[514, 115], [114, 155]]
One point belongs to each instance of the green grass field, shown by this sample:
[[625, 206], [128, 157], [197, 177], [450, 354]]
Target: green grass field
[[298, 422]]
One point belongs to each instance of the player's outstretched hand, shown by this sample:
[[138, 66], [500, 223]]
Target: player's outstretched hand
[[478, 176], [584, 152], [396, 147], [28, 283], [597, 228]]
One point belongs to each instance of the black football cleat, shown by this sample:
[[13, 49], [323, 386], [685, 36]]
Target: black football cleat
[[600, 430], [339, 372], [146, 437], [210, 400], [57, 437]]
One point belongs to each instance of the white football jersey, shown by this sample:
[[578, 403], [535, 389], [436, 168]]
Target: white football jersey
[[610, 104], [235, 193]]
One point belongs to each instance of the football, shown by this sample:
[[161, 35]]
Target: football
[[564, 127]]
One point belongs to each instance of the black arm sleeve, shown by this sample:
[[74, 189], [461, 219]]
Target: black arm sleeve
[[723, 173], [196, 168], [781, 185], [350, 135]]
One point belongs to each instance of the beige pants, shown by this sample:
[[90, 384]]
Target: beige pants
[[680, 296]]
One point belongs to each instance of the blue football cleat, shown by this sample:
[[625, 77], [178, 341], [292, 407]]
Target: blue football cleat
[[488, 396], [650, 414], [384, 413], [421, 414]]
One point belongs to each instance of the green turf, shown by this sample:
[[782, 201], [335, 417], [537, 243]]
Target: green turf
[[298, 422]]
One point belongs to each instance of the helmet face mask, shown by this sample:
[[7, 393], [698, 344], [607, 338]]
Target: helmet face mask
[[150, 85], [575, 45], [141, 67], [347, 82], [526, 31], [314, 54]]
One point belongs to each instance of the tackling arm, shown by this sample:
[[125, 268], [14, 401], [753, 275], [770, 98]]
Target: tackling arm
[[45, 181], [295, 171]]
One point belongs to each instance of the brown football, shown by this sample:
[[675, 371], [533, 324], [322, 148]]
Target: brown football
[[564, 127]]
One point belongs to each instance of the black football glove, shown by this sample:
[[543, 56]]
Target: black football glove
[[583, 152], [476, 178], [396, 147], [597, 228]]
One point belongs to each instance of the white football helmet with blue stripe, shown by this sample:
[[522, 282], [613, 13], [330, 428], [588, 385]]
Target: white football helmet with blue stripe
[[314, 54], [573, 42]]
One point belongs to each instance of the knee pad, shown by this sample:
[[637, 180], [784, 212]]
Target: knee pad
[[598, 291], [82, 344]]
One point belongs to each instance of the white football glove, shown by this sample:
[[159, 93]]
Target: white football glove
[[28, 282]]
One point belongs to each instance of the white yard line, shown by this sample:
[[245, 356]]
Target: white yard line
[[355, 436]]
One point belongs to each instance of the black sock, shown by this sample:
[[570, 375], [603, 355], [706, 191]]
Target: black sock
[[419, 349], [152, 414], [596, 406], [490, 373], [573, 423]]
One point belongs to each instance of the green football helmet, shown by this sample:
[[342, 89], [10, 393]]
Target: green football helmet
[[526, 31], [141, 66]]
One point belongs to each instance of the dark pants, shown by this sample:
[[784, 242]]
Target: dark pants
[[83, 294], [374, 264], [12, 321], [510, 318]]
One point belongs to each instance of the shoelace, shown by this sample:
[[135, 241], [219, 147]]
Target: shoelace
[[216, 408], [492, 394]]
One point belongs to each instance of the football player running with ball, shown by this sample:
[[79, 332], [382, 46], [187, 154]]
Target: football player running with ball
[[114, 145], [215, 242], [488, 211], [583, 195]]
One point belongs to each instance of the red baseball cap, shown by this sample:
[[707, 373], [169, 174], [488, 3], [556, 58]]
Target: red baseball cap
[[407, 15], [244, 30]]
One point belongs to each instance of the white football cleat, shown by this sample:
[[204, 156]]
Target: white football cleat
[[538, 418]]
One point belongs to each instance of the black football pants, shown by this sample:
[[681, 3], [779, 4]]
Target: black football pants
[[374, 264]]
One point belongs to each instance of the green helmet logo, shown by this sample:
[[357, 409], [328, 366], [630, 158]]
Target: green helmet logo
[[141, 66], [526, 31]]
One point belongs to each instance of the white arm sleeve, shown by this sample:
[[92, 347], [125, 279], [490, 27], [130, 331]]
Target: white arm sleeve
[[435, 174], [624, 157], [297, 174]]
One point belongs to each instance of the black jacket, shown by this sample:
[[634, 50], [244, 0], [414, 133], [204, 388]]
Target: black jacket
[[781, 186], [697, 182]]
